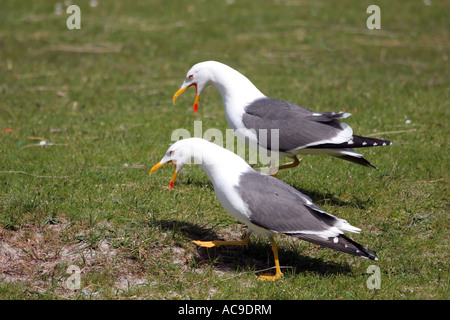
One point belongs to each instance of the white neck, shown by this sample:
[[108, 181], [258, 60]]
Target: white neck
[[218, 163], [236, 90]]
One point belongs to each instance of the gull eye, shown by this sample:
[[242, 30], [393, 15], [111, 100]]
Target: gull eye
[[191, 76], [171, 152]]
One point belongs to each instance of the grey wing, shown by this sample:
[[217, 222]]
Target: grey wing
[[278, 207], [298, 127]]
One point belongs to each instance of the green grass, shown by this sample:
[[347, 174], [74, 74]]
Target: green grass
[[103, 94]]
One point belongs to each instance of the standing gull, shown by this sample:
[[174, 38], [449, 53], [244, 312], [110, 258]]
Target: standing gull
[[268, 206], [301, 131]]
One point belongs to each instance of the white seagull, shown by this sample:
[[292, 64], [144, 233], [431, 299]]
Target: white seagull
[[268, 206], [253, 115]]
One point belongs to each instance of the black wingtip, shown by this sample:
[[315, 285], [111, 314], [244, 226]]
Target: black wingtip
[[360, 250], [362, 142], [355, 142], [357, 160], [340, 243]]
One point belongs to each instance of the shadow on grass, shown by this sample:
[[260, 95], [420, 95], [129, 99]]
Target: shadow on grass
[[257, 255], [190, 230]]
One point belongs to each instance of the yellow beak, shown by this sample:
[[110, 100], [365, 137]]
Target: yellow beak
[[178, 93], [181, 90], [159, 165]]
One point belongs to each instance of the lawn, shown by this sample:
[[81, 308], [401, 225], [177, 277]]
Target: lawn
[[85, 114]]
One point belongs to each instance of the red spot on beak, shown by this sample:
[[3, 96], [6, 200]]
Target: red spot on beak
[[181, 90], [171, 185], [197, 97]]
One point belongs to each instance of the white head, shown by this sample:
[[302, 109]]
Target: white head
[[180, 153], [213, 159], [200, 76], [232, 85], [188, 151]]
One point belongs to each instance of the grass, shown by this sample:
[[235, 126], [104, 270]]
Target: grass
[[102, 96]]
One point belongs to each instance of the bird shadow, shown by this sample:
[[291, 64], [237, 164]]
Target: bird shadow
[[256, 256], [186, 229]]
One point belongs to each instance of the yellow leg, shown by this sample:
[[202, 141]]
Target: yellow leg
[[218, 243], [293, 164], [290, 165], [278, 273]]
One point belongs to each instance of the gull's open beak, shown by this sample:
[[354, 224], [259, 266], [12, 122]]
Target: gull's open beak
[[159, 165], [181, 90]]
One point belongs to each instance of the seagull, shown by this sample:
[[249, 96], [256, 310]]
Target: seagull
[[253, 115], [267, 205]]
